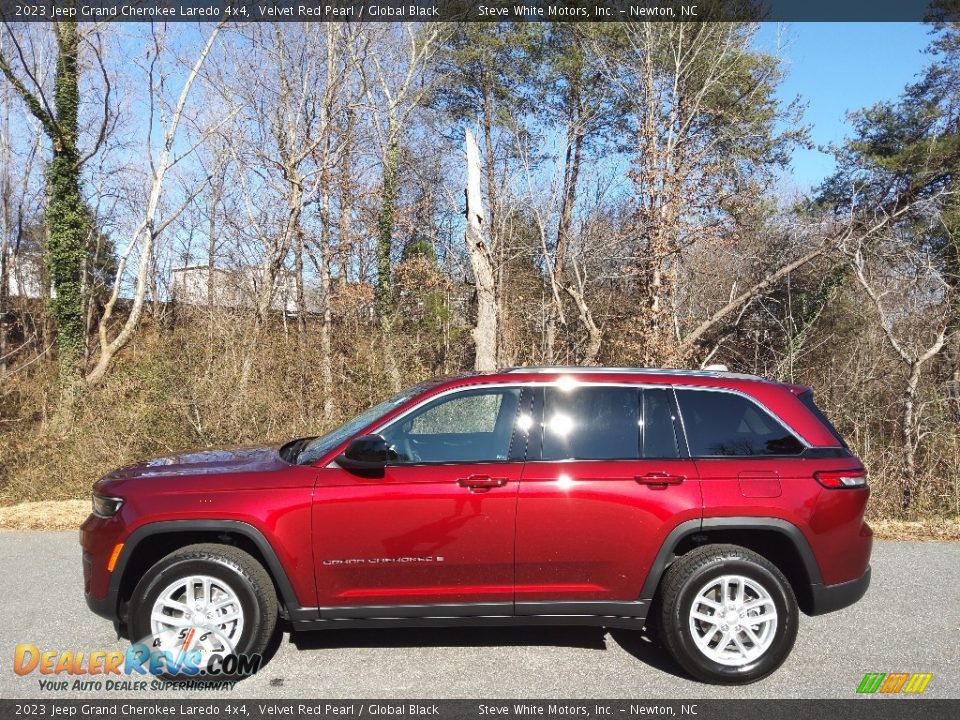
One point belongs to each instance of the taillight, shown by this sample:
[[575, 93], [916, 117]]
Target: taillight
[[842, 479]]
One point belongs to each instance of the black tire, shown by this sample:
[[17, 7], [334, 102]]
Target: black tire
[[680, 585], [245, 575]]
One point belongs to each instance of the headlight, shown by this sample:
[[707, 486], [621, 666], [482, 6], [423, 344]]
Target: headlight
[[106, 507]]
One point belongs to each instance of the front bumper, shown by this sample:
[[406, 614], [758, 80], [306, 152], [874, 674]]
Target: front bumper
[[98, 538], [827, 598], [105, 607]]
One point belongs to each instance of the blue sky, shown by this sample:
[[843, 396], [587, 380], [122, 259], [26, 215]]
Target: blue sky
[[839, 67]]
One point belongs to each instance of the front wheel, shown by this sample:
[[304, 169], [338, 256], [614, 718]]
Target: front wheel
[[208, 600], [728, 615]]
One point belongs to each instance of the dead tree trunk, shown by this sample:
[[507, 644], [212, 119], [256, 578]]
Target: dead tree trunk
[[485, 332]]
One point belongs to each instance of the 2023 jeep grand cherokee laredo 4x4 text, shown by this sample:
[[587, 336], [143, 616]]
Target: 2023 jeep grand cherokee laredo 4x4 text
[[708, 505]]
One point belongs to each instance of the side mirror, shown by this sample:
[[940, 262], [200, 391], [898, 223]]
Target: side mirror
[[366, 455]]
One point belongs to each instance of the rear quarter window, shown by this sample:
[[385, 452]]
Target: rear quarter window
[[724, 424], [807, 399]]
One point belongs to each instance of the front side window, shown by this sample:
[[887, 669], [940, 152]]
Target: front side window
[[721, 424], [470, 426], [309, 450]]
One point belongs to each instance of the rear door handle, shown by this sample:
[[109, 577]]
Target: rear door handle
[[481, 483], [660, 479]]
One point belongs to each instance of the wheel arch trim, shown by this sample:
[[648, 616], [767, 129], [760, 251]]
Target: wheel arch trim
[[171, 527], [665, 555]]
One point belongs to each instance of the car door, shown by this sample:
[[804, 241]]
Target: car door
[[438, 527], [607, 482]]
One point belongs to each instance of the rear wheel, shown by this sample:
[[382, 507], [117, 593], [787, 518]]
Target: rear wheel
[[728, 615], [214, 599]]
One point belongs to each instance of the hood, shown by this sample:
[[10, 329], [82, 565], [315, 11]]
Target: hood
[[204, 462]]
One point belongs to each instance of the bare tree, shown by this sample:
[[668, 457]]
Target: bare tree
[[150, 226], [916, 339]]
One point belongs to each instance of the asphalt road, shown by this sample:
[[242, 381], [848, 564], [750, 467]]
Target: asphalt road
[[909, 621]]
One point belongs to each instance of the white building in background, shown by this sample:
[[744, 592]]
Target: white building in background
[[25, 275], [191, 286], [237, 288]]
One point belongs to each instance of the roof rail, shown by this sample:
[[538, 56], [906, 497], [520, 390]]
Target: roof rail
[[709, 371]]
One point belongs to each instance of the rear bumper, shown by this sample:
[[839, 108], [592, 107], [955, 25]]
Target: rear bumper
[[827, 598]]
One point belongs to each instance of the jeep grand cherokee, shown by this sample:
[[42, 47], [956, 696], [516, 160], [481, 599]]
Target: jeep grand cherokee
[[709, 506]]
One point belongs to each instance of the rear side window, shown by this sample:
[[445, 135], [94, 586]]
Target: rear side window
[[608, 423], [721, 424], [807, 399], [591, 423]]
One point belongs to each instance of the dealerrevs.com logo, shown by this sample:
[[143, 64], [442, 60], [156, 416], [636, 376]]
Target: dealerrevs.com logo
[[901, 683], [190, 658]]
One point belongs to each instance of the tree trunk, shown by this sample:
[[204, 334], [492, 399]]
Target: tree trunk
[[66, 216], [326, 351], [385, 224], [908, 439], [216, 193], [592, 349], [496, 251], [6, 223], [345, 198], [485, 332], [571, 174], [301, 296]]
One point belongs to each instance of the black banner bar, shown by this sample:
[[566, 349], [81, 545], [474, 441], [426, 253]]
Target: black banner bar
[[472, 11], [873, 708]]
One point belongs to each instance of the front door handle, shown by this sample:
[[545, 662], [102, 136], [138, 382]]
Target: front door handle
[[481, 483], [660, 479]]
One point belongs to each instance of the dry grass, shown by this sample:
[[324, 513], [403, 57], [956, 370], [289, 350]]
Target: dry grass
[[946, 530], [46, 515]]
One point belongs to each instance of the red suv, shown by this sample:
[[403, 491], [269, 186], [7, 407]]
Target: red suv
[[706, 505]]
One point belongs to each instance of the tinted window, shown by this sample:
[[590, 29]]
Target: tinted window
[[722, 423], [807, 399], [659, 432], [470, 426], [591, 423]]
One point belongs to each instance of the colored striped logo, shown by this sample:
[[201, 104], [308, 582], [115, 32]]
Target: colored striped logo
[[893, 683]]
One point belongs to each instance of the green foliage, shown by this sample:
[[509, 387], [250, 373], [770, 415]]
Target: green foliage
[[419, 248], [67, 216], [385, 229], [489, 70]]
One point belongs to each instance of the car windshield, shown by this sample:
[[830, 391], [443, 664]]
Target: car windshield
[[316, 448]]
